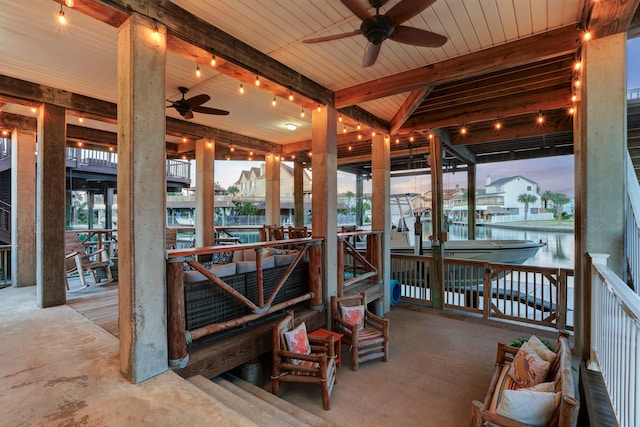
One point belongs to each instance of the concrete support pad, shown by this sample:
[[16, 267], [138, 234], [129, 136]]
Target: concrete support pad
[[58, 368]]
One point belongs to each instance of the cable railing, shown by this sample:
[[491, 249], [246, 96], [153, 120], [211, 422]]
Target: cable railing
[[615, 340]]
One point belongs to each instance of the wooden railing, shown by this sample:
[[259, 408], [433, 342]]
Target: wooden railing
[[360, 268], [96, 239], [615, 340], [178, 335], [5, 265], [525, 294]]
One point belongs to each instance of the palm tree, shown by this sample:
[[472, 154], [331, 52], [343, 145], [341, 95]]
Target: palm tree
[[527, 199], [233, 190], [349, 195], [559, 200]]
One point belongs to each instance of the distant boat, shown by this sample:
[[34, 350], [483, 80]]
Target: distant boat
[[498, 251]]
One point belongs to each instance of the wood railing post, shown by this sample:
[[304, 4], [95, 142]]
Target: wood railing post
[[315, 275], [259, 280], [486, 292], [375, 256], [340, 261], [561, 307], [176, 323]]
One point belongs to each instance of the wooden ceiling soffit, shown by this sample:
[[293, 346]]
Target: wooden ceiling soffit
[[550, 44], [610, 17], [531, 102], [407, 108], [397, 154], [188, 27]]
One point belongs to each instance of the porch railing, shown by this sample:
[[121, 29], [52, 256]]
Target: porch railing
[[519, 293], [615, 340], [5, 216], [632, 228], [5, 265]]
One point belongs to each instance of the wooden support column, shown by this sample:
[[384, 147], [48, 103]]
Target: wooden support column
[[471, 202], [359, 199], [437, 263], [205, 200], [23, 208], [272, 189], [380, 209], [50, 212], [324, 221], [141, 199], [600, 147], [108, 208], [298, 194]]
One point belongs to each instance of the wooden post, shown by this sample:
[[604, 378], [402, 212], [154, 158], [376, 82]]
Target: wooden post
[[375, 256], [176, 322], [437, 261], [471, 202], [259, 278], [298, 194], [340, 262], [315, 275]]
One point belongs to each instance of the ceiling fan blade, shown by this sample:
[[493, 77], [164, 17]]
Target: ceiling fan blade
[[197, 100], [333, 37], [357, 8], [207, 110], [370, 54], [406, 10], [417, 37], [188, 115]]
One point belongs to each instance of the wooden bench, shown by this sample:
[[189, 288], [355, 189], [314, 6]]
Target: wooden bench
[[565, 415]]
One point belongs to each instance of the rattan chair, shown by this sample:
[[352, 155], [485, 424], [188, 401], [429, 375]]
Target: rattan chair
[[369, 343], [316, 368]]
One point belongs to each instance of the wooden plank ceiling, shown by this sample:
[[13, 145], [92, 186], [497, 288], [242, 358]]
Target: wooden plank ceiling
[[506, 62]]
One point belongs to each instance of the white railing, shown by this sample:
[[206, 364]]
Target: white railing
[[632, 228], [520, 217], [615, 339], [5, 265], [633, 93]]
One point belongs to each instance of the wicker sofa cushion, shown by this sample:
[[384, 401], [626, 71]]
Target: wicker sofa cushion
[[249, 266]]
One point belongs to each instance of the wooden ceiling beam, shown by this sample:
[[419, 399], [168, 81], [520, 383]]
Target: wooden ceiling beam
[[16, 121], [460, 151], [413, 101], [502, 107], [561, 41], [611, 17]]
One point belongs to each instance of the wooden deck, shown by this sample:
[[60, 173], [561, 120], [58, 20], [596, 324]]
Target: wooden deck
[[98, 304]]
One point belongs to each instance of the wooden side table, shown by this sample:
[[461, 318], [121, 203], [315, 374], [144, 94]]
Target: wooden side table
[[337, 340]]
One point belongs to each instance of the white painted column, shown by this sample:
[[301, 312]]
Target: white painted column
[[324, 220], [380, 207], [600, 147], [51, 287], [205, 200], [141, 199], [23, 208], [272, 189]]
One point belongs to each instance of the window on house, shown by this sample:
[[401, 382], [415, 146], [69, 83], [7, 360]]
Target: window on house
[[528, 188]]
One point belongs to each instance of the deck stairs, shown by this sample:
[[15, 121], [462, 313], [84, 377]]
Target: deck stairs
[[254, 405]]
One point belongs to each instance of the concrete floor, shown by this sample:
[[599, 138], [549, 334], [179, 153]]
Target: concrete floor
[[58, 368]]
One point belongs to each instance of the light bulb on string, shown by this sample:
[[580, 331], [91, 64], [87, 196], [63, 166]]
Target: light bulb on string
[[302, 113], [340, 118], [463, 130], [257, 81], [198, 72], [273, 101], [497, 125], [69, 3], [540, 118], [241, 89], [344, 129], [319, 108], [586, 36], [213, 60], [577, 66], [358, 127], [290, 95], [62, 19]]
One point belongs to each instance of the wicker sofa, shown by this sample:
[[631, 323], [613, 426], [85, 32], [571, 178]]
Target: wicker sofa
[[206, 303], [563, 414]]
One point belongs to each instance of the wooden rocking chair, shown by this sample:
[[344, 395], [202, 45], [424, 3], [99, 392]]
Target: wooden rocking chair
[[369, 343], [316, 368], [78, 261]]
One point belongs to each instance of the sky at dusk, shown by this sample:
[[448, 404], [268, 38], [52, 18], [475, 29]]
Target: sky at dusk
[[553, 174]]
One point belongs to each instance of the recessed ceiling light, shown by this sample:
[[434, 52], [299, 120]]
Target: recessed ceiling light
[[291, 126]]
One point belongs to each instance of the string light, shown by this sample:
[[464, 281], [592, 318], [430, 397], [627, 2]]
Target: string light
[[273, 102], [290, 95], [319, 108], [69, 3], [156, 32], [577, 66], [576, 83], [110, 148], [62, 19], [241, 89], [497, 125], [344, 129], [359, 136], [586, 36], [302, 113], [340, 118], [34, 110], [184, 139], [349, 148], [80, 119], [232, 149], [397, 140], [358, 127], [572, 110], [257, 81], [574, 97], [373, 133], [540, 118], [198, 72], [251, 153], [463, 130], [213, 60]]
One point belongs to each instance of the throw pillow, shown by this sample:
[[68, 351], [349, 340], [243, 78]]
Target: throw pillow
[[221, 257], [548, 387], [528, 369], [541, 349], [529, 407], [354, 315], [298, 341]]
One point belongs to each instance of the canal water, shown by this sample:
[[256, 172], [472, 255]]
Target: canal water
[[557, 252]]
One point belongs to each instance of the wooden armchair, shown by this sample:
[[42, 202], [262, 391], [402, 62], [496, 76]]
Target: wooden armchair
[[78, 261], [316, 368], [298, 232], [273, 232], [369, 343]]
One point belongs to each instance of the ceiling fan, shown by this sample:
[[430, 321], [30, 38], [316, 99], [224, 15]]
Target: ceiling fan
[[377, 28], [186, 107]]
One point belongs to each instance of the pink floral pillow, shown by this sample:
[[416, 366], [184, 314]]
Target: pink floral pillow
[[354, 315], [298, 341]]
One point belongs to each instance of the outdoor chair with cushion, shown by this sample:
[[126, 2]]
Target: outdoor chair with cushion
[[366, 334], [300, 358]]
